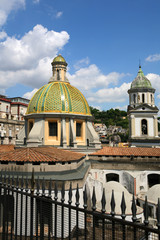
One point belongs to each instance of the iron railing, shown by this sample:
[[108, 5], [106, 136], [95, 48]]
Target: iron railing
[[30, 211]]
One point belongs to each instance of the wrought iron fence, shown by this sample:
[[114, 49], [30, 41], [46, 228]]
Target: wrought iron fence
[[28, 211]]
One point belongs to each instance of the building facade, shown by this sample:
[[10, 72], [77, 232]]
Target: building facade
[[12, 111]]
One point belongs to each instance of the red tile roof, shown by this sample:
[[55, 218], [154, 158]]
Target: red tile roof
[[5, 100], [40, 154], [6, 148], [19, 103], [118, 151]]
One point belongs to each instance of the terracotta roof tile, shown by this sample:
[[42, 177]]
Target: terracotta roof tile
[[41, 154], [118, 151], [6, 148]]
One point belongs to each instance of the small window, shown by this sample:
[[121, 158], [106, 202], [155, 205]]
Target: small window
[[151, 98], [78, 129], [53, 129], [134, 98], [143, 98], [58, 74]]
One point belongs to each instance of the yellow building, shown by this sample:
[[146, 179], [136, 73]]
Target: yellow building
[[58, 114]]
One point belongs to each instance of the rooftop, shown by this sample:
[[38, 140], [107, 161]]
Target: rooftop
[[135, 151], [39, 154]]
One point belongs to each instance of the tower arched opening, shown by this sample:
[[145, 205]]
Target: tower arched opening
[[144, 127]]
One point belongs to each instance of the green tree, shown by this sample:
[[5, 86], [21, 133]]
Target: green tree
[[111, 117]]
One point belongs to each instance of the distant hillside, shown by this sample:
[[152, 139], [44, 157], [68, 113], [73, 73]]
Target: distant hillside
[[111, 117]]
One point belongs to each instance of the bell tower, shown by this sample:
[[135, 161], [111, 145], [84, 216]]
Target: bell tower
[[142, 113]]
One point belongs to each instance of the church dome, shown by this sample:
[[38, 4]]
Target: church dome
[[58, 97], [141, 81], [59, 59]]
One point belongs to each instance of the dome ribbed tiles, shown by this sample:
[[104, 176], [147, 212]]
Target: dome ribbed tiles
[[141, 81], [58, 97]]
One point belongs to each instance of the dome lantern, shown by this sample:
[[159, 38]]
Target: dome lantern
[[59, 68]]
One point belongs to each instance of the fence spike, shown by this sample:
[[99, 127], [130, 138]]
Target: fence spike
[[9, 180], [103, 202], [55, 191], [50, 189], [1, 178], [32, 182], [62, 193], [158, 213], [112, 204], [94, 199], [17, 182], [12, 181], [85, 197], [27, 184], [123, 206], [38, 186], [146, 211], [70, 194], [22, 183], [77, 196], [43, 187], [5, 177], [134, 209]]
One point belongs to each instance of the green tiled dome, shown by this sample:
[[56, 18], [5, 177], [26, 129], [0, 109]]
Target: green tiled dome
[[59, 58], [141, 81], [58, 97]]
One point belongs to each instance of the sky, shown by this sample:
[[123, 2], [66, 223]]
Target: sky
[[103, 42]]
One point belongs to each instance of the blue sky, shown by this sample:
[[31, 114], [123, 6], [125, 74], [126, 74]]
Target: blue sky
[[102, 41]]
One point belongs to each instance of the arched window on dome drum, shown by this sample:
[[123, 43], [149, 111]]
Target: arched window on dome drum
[[78, 129], [151, 98], [143, 98], [144, 127]]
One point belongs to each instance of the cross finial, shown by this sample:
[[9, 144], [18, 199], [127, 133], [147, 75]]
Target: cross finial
[[139, 63]]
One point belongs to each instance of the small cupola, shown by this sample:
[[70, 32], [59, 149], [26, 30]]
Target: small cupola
[[59, 68]]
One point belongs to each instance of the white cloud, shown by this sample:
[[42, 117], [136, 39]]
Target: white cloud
[[29, 95], [30, 57], [3, 35], [6, 6], [117, 94], [91, 77], [153, 58], [34, 77], [59, 14], [155, 81], [26, 52], [124, 108], [81, 63], [36, 1]]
